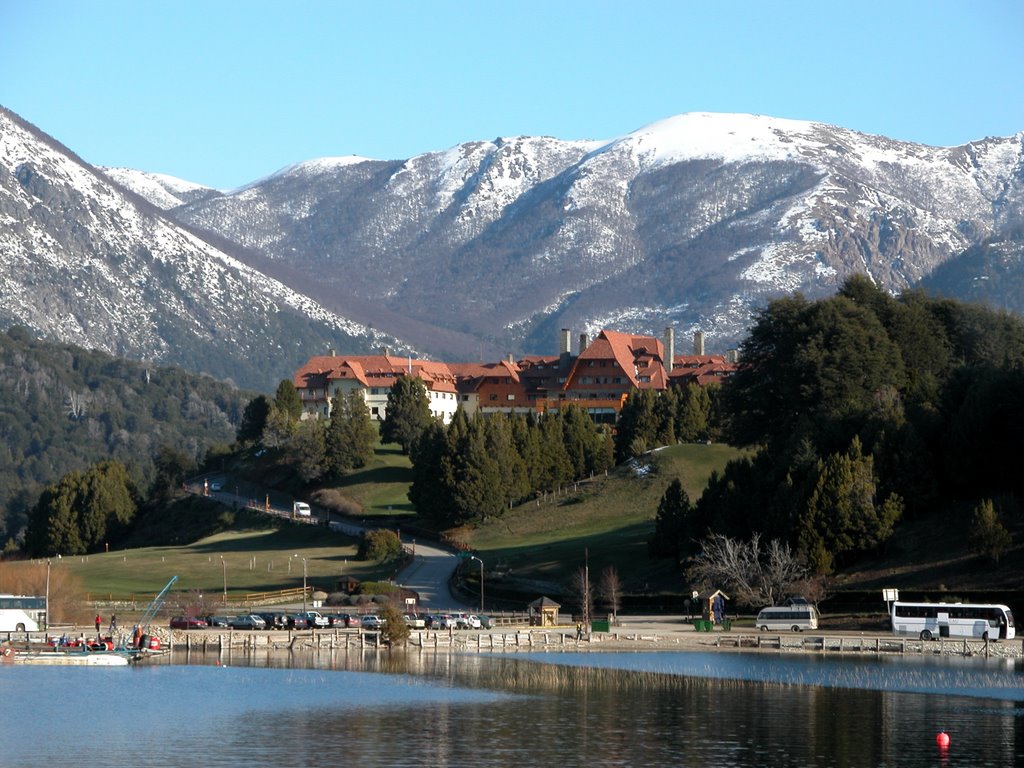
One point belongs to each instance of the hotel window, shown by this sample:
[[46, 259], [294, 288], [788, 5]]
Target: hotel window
[[511, 397]]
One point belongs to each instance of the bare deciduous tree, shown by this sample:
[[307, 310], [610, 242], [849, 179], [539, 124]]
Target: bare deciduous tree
[[582, 593], [753, 574], [609, 589], [75, 403]]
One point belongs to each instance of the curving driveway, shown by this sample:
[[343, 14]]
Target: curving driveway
[[429, 574]]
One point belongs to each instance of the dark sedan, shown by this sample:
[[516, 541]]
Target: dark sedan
[[249, 621]]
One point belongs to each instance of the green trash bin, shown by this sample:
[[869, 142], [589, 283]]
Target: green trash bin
[[698, 625], [726, 625]]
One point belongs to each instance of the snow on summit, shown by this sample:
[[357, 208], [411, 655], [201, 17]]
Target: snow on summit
[[728, 137]]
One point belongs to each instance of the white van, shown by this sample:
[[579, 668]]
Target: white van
[[301, 509], [787, 617]]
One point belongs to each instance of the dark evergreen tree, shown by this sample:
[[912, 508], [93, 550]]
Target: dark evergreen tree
[[254, 419], [408, 413], [514, 483], [693, 414], [429, 493], [75, 516], [287, 400], [673, 524]]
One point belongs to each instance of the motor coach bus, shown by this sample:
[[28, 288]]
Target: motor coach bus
[[22, 613], [931, 620]]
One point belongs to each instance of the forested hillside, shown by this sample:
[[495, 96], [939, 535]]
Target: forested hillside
[[63, 409], [869, 411]]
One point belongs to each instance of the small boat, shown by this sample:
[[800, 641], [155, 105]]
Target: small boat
[[77, 659], [80, 658]]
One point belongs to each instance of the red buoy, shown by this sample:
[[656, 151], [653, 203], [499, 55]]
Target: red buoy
[[942, 739]]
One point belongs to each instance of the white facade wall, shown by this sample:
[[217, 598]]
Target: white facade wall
[[442, 404]]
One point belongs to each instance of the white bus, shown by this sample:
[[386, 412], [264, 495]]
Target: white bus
[[20, 613], [787, 617], [929, 620]]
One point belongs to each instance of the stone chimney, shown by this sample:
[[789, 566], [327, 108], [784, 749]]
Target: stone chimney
[[331, 353], [732, 356], [386, 351], [583, 343], [564, 341], [670, 349], [698, 343]]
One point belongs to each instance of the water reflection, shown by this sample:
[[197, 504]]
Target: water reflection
[[427, 709]]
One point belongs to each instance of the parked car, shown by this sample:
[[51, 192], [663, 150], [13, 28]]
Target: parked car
[[275, 620], [371, 621], [247, 621], [443, 621], [486, 622], [314, 619], [415, 622], [472, 622], [216, 621], [188, 622], [341, 620], [297, 621]]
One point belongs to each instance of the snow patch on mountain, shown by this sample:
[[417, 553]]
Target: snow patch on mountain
[[160, 189]]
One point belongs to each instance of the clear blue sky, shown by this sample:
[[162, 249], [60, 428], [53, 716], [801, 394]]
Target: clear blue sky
[[223, 92]]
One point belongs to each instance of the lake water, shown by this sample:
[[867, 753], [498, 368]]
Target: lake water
[[558, 709]]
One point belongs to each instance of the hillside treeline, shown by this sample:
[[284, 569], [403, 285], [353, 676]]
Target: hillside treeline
[[475, 468], [866, 410], [64, 409]]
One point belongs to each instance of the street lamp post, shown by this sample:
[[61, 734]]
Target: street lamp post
[[47, 605], [224, 568], [474, 557]]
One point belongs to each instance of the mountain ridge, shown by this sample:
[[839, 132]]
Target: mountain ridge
[[87, 261], [695, 222]]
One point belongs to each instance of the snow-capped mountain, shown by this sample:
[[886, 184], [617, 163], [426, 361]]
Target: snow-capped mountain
[[161, 190], [84, 261], [490, 247], [694, 222]]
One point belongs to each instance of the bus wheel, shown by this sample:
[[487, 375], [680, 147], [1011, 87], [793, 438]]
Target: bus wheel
[[926, 635], [796, 628], [764, 628], [20, 628]]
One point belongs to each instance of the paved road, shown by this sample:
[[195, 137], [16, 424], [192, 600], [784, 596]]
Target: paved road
[[428, 574]]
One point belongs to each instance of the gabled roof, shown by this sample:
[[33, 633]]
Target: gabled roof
[[627, 350], [374, 371]]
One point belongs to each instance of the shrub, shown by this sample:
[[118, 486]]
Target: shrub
[[335, 501], [380, 545]]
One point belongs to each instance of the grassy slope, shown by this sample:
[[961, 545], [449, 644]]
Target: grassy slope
[[255, 560], [608, 519], [382, 485]]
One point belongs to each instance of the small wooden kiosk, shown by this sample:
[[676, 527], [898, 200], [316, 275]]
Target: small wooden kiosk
[[712, 605], [543, 612]]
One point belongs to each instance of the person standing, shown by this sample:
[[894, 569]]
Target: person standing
[[113, 624], [99, 623]]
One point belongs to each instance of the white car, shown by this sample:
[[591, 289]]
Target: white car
[[415, 622], [371, 621]]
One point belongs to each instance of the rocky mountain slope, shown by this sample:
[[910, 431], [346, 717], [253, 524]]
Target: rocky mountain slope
[[695, 222], [492, 246], [85, 261]]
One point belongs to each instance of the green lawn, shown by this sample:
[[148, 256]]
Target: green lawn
[[381, 486], [253, 561], [607, 521]]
